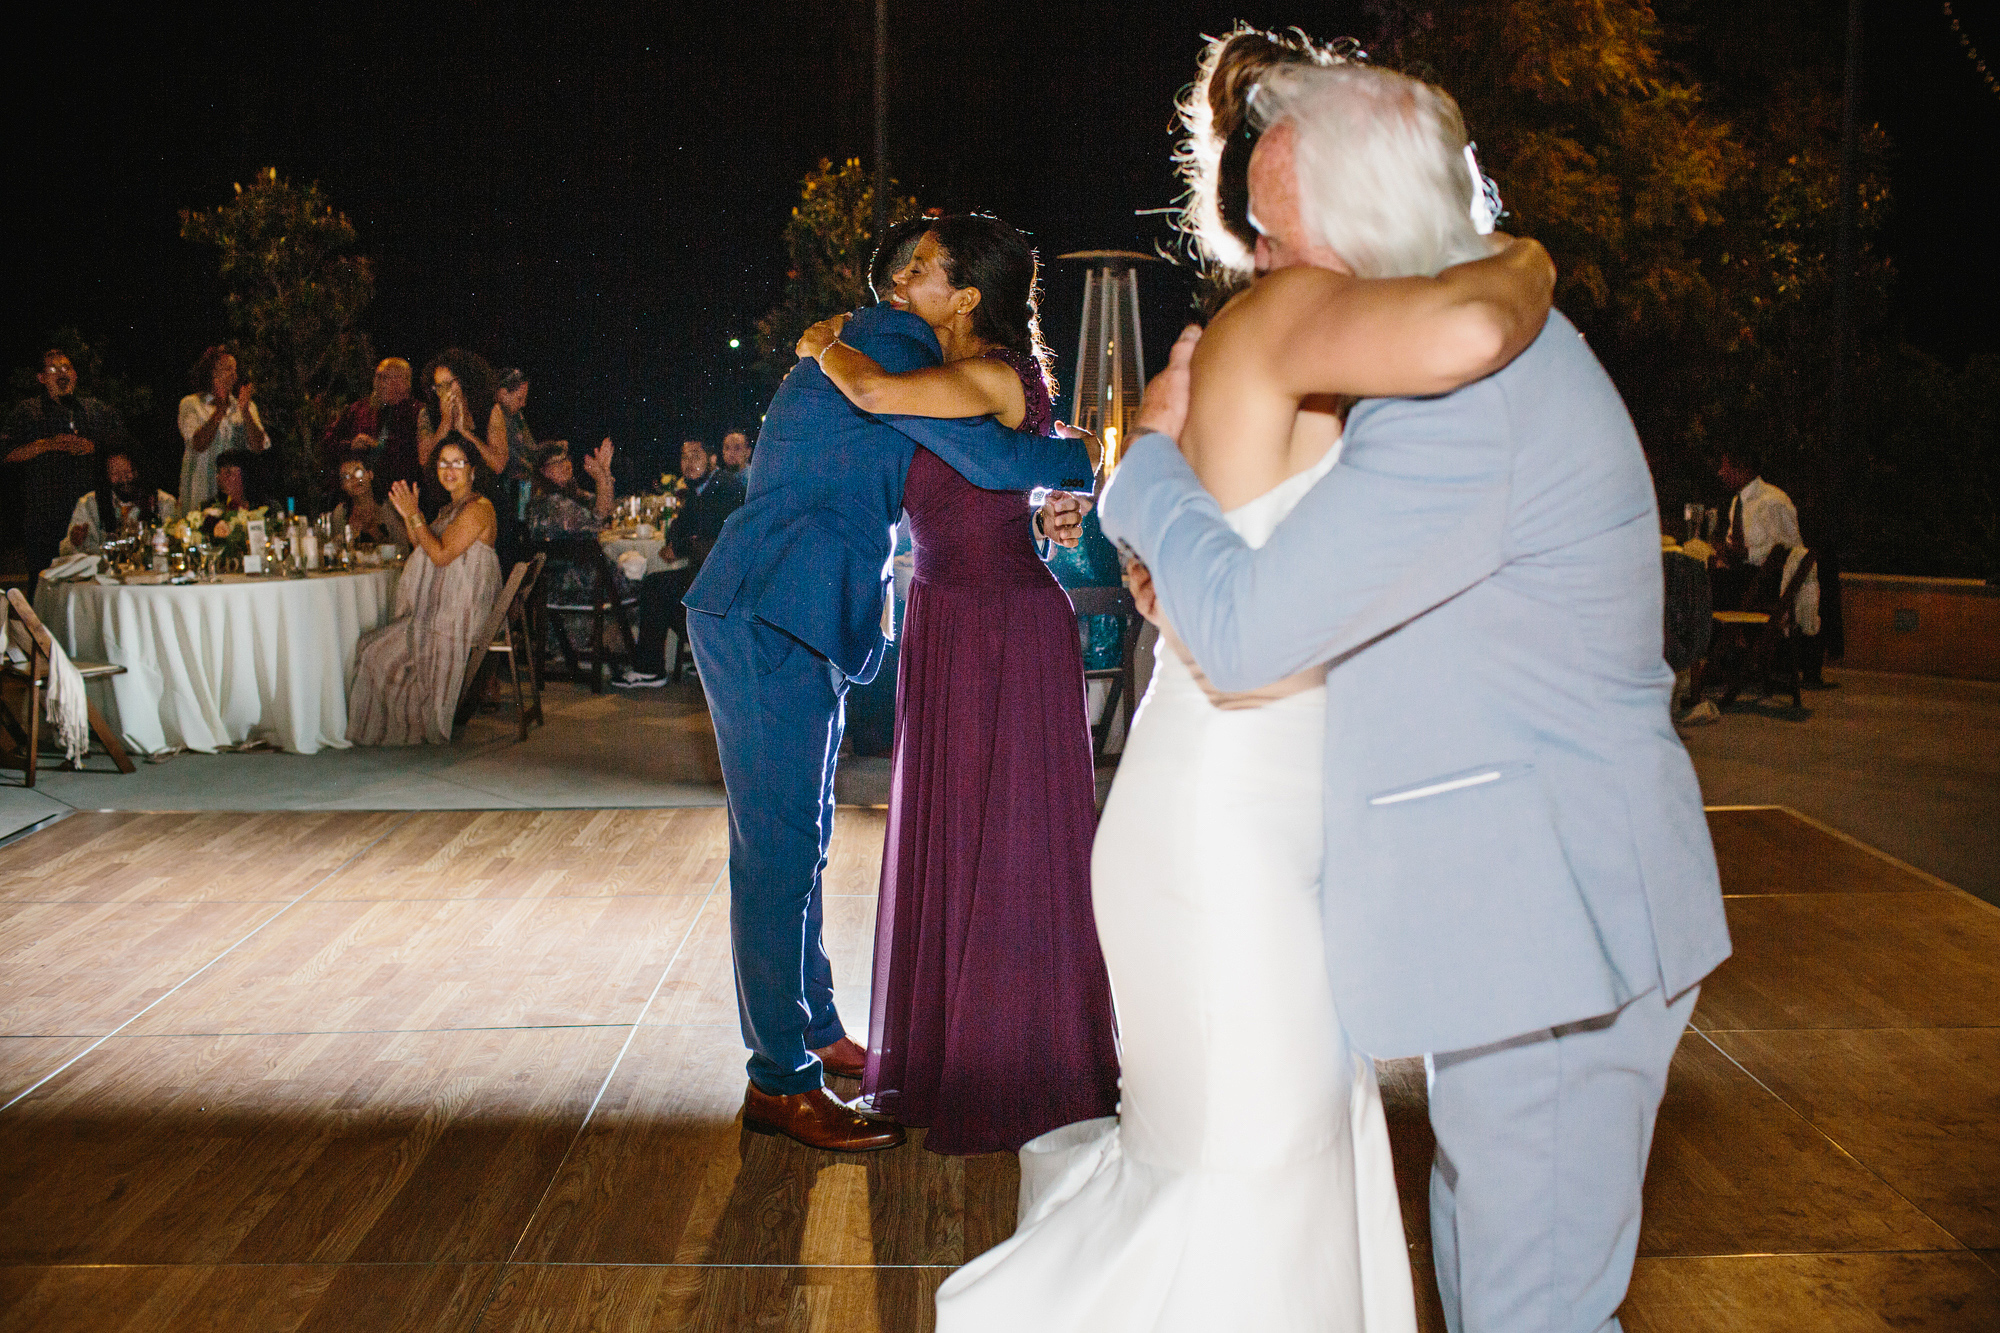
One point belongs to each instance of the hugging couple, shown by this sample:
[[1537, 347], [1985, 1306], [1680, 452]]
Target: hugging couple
[[1404, 783]]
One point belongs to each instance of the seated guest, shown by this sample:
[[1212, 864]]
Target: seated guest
[[712, 495], [232, 480], [736, 453], [380, 429], [372, 522], [560, 508], [51, 442], [126, 503], [407, 675], [217, 418]]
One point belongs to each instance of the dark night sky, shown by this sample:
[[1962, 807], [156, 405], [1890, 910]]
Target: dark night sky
[[598, 196]]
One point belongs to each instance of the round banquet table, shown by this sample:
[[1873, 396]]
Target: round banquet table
[[210, 665]]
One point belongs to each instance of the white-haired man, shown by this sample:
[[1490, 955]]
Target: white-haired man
[[1519, 883]]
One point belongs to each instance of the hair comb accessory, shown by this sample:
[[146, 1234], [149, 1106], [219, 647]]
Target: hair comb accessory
[[1486, 207]]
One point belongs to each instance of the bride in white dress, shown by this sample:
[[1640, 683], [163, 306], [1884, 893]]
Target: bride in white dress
[[1246, 1182]]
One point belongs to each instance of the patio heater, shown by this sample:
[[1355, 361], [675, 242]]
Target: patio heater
[[1110, 356]]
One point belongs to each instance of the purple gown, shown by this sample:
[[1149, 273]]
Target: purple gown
[[991, 1019]]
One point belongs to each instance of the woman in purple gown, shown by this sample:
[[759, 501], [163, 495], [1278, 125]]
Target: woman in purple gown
[[991, 1020]]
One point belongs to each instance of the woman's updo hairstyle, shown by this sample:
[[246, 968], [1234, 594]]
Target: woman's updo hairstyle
[[979, 250], [1215, 157]]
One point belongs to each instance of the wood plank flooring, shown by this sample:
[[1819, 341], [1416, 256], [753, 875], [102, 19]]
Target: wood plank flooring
[[480, 1071]]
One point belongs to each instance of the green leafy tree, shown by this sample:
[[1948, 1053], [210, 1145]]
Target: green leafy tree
[[829, 241], [1680, 161], [295, 289], [1602, 153]]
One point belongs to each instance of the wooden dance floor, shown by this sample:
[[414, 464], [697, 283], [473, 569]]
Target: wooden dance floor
[[457, 1071]]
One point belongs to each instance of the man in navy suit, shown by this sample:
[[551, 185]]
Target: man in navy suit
[[787, 613]]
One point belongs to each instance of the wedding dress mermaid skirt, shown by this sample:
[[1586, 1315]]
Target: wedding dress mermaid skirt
[[1246, 1182]]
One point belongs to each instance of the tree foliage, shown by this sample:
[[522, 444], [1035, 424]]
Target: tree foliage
[[295, 289], [1680, 160], [829, 240]]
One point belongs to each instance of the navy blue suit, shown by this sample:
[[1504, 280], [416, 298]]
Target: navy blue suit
[[789, 607]]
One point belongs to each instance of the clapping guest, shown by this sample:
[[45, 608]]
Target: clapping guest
[[407, 675], [218, 417], [380, 429], [374, 523], [461, 385], [121, 501], [561, 508], [710, 496], [50, 442]]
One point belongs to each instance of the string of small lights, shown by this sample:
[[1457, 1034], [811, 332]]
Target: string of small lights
[[1971, 51]]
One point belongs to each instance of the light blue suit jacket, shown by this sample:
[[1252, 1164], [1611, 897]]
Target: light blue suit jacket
[[1514, 834]]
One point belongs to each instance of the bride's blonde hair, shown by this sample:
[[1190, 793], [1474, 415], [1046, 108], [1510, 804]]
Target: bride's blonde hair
[[1214, 158]]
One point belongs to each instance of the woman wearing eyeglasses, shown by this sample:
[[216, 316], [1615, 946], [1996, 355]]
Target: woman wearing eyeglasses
[[407, 674], [375, 522], [462, 387]]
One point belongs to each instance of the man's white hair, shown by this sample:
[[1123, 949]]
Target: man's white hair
[[1381, 166]]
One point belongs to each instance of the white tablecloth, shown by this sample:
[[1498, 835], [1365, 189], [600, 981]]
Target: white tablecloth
[[213, 664], [650, 547]]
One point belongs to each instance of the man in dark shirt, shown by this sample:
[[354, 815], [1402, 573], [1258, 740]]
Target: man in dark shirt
[[712, 495], [50, 443], [380, 429], [736, 452]]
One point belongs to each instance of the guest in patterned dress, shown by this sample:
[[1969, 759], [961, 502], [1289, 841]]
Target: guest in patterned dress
[[407, 675], [561, 508]]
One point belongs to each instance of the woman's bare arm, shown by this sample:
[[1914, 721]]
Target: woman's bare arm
[[493, 449], [477, 520], [973, 387], [1331, 333]]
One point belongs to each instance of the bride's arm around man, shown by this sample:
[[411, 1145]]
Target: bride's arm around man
[[1519, 879]]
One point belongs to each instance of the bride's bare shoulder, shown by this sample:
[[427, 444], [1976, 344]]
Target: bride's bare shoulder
[[1260, 322]]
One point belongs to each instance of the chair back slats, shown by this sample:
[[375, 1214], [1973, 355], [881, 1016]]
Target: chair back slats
[[26, 632], [480, 643]]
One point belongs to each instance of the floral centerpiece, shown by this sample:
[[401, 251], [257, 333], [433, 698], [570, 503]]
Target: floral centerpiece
[[672, 488], [224, 528]]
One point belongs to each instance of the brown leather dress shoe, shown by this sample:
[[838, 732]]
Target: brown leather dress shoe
[[817, 1119], [844, 1059]]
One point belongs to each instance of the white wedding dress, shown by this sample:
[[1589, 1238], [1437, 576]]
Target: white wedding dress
[[1246, 1183]]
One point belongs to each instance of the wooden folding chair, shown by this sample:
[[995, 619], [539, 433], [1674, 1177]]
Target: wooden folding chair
[[604, 608], [509, 634], [1124, 677], [1748, 644], [31, 651]]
